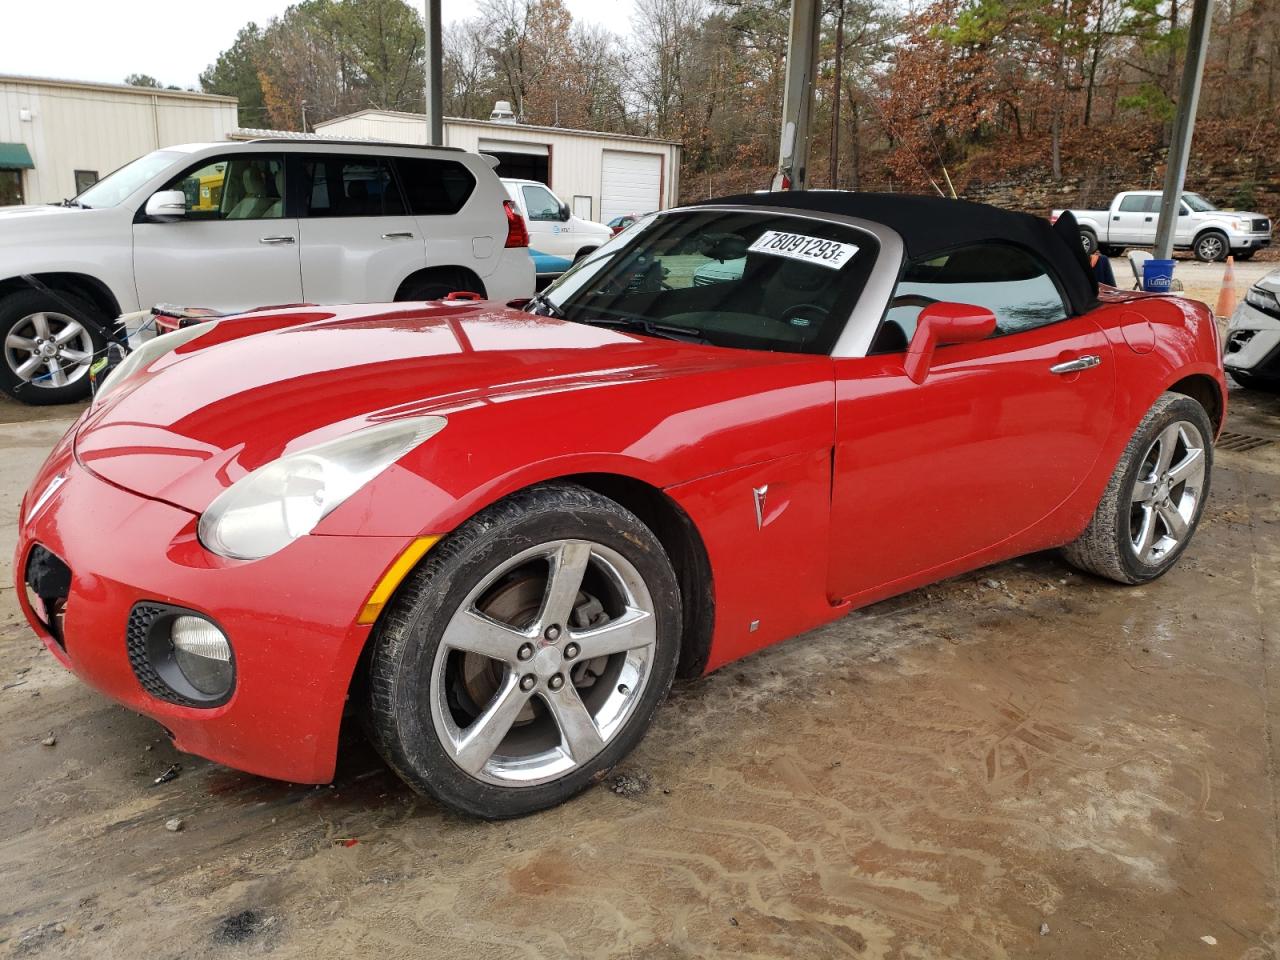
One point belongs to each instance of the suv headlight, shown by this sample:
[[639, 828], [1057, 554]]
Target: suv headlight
[[148, 353], [271, 507], [1264, 300]]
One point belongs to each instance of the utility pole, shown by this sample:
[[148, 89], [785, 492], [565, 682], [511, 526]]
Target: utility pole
[[835, 103], [1184, 123], [434, 99], [797, 100]]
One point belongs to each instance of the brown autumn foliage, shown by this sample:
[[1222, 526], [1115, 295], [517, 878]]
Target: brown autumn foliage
[[1066, 93]]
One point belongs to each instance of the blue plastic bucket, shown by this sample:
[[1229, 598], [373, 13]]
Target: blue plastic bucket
[[1157, 276]]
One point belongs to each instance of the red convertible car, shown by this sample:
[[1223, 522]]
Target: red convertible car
[[499, 532]]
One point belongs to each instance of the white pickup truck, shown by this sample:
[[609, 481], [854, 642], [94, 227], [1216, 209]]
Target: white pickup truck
[[1202, 228]]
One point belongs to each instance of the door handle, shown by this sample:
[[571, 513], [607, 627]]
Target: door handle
[[278, 240], [1148, 219], [1076, 365], [403, 235]]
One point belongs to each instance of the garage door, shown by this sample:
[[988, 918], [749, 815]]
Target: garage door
[[629, 183]]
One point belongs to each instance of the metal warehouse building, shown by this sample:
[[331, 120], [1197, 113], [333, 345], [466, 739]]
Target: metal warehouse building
[[601, 175], [59, 136]]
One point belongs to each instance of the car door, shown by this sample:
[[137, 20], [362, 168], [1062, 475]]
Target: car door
[[236, 247], [996, 437], [1129, 220], [358, 239], [548, 232]]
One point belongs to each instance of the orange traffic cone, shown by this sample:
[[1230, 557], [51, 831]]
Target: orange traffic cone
[[1227, 298]]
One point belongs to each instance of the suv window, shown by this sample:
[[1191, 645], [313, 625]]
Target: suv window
[[1134, 203], [541, 203], [434, 187], [1007, 280], [249, 187], [350, 187]]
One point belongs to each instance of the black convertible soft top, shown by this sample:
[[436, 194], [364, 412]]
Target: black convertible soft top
[[931, 226]]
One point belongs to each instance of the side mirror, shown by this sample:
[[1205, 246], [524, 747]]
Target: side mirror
[[565, 212], [167, 205], [943, 324]]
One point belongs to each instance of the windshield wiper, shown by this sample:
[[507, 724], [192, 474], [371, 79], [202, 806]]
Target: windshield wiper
[[686, 334], [541, 300], [76, 203]]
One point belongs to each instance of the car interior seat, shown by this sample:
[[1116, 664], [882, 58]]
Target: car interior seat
[[258, 200]]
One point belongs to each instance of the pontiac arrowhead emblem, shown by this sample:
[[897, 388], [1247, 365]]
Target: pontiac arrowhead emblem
[[760, 493]]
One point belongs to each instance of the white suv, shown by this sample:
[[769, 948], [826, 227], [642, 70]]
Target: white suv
[[233, 226], [556, 237]]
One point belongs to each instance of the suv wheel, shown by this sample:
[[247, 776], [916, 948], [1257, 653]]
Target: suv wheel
[[48, 344]]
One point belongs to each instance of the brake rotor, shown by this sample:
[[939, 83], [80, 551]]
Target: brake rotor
[[517, 603]]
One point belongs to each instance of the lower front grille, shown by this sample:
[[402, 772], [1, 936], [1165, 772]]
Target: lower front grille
[[138, 643], [49, 581]]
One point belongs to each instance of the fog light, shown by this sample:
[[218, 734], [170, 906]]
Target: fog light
[[203, 654]]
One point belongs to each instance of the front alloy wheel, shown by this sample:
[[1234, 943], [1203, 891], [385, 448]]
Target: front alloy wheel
[[543, 663], [48, 349], [527, 654]]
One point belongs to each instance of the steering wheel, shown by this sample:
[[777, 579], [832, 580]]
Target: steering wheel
[[911, 300], [811, 312]]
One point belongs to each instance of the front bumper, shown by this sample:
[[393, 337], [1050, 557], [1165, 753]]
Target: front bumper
[[1253, 342], [290, 618]]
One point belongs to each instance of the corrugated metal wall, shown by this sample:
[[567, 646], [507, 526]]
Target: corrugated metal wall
[[90, 127], [576, 157]]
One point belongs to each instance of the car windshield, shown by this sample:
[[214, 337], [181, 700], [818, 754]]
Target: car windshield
[[737, 278], [1197, 203], [112, 189]]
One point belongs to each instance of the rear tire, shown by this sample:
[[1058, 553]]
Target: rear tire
[[66, 327], [438, 284], [1088, 240], [1153, 502], [526, 655]]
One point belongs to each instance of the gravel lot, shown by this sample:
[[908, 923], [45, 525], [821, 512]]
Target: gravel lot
[[1021, 762]]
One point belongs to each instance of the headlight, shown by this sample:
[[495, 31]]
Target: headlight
[[285, 499], [1264, 300], [148, 353]]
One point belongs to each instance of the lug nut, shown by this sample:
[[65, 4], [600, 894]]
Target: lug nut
[[527, 681], [556, 682], [553, 633], [571, 651], [525, 652]]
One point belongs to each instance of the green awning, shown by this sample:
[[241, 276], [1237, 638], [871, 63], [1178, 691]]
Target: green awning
[[15, 156]]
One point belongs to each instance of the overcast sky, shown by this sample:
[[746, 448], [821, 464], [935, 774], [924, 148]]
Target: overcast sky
[[106, 40]]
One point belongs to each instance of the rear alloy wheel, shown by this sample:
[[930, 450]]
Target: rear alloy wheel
[[1153, 503], [527, 655], [1088, 240], [45, 349]]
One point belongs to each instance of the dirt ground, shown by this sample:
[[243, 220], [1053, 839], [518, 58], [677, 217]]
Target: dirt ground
[[1022, 762]]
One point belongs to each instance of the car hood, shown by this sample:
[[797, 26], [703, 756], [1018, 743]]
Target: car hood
[[21, 226], [1270, 282], [256, 387]]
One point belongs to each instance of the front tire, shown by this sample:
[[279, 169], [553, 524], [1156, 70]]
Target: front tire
[[47, 345], [1211, 247], [1154, 500], [526, 655]]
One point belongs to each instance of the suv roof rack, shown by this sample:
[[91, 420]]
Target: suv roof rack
[[352, 141]]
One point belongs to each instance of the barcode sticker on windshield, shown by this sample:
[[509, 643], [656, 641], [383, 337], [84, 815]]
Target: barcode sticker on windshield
[[826, 253]]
